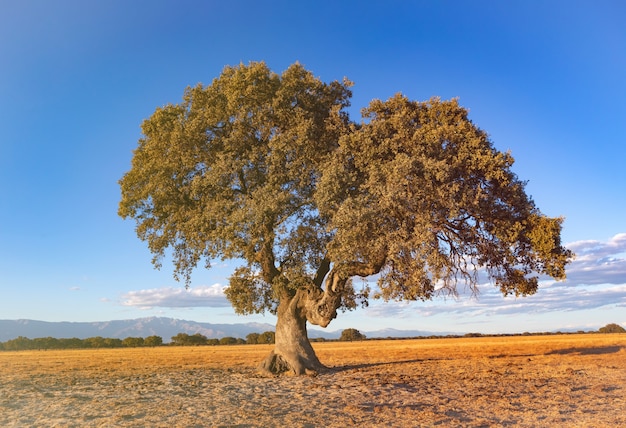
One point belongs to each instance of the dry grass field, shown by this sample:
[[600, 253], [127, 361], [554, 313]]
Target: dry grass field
[[569, 380]]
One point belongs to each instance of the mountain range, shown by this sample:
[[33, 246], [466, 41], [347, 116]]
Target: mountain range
[[160, 326]]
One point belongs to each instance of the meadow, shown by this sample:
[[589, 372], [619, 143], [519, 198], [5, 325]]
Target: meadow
[[555, 380]]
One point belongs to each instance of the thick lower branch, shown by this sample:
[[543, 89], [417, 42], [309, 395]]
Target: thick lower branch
[[321, 273], [265, 258], [322, 305]]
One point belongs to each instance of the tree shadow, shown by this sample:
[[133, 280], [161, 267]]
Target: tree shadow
[[587, 351], [349, 367], [580, 351]]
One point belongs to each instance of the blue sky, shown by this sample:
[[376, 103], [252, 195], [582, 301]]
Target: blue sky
[[544, 79]]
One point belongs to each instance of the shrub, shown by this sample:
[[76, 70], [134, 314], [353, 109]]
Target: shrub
[[351, 334], [612, 328]]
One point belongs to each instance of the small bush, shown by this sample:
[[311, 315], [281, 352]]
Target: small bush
[[351, 334], [612, 328]]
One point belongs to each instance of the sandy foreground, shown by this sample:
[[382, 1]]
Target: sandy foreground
[[569, 380]]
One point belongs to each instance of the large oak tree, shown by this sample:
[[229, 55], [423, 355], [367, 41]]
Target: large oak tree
[[270, 170]]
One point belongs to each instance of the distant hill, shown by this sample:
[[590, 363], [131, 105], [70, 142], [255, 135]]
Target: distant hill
[[141, 327], [164, 327]]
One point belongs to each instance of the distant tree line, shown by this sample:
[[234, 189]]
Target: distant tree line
[[24, 343], [182, 339]]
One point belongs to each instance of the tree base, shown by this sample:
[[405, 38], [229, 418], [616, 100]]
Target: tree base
[[291, 364]]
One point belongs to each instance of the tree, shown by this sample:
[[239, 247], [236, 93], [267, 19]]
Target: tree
[[113, 342], [184, 339], [96, 342], [351, 334], [153, 341], [18, 344], [133, 342], [270, 170], [181, 339], [266, 338], [72, 343], [228, 340], [46, 343], [252, 338], [612, 328]]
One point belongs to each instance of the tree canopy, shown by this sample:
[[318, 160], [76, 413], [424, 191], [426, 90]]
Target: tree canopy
[[351, 334], [269, 169], [612, 328], [420, 193]]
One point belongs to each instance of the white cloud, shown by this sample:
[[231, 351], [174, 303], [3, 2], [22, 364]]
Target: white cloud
[[177, 297], [555, 298], [598, 262], [595, 279]]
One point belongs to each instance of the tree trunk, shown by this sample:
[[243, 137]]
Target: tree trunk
[[293, 352]]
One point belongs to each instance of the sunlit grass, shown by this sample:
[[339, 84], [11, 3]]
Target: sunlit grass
[[333, 354]]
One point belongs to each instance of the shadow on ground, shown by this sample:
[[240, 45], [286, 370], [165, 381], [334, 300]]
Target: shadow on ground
[[348, 367], [587, 351]]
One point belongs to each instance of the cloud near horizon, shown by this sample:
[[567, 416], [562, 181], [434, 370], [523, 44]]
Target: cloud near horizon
[[598, 262], [596, 278], [177, 297]]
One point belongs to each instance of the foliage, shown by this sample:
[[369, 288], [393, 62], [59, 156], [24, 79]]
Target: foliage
[[133, 342], [230, 173], [181, 339], [421, 192], [228, 341], [19, 343], [101, 342], [266, 338], [153, 341], [252, 338], [269, 169], [184, 339], [612, 328], [351, 334], [113, 342]]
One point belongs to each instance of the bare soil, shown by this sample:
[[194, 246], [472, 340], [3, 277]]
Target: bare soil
[[527, 381]]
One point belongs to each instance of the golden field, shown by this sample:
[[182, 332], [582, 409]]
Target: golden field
[[560, 380]]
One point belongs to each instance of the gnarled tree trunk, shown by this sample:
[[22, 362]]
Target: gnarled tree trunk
[[293, 352]]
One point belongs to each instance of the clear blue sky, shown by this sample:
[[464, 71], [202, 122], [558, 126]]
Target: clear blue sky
[[546, 79]]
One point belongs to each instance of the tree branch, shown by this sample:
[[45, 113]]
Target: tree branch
[[321, 273], [265, 258]]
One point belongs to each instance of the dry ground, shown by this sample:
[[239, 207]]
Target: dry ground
[[572, 380]]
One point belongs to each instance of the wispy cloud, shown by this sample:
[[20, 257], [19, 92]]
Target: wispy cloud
[[598, 262], [595, 279], [555, 298], [177, 297]]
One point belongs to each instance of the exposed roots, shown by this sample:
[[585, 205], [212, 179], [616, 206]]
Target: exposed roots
[[291, 363]]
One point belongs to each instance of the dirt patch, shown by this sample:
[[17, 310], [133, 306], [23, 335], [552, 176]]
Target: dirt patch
[[577, 380]]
